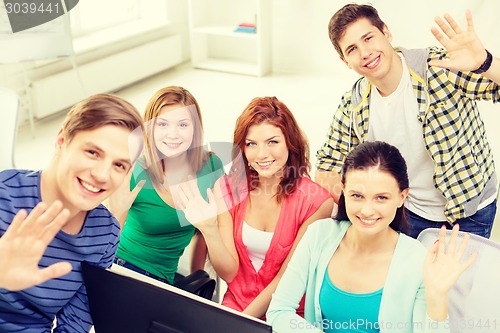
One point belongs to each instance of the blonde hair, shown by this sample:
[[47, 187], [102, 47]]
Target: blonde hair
[[196, 154]]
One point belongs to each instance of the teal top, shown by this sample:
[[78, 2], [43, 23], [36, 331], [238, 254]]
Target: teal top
[[346, 312], [156, 234], [403, 307]]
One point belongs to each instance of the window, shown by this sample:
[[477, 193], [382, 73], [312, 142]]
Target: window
[[92, 15], [96, 22]]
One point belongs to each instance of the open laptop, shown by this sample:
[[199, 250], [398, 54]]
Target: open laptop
[[127, 302]]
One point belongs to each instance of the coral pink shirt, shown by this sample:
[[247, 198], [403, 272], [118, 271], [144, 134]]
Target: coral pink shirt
[[296, 208]]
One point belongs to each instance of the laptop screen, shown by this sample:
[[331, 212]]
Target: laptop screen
[[120, 303]]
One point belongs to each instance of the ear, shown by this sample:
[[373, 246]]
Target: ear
[[404, 194], [59, 140], [345, 61], [387, 33]]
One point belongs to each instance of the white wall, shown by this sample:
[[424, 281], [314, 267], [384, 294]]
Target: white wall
[[301, 43], [300, 34]]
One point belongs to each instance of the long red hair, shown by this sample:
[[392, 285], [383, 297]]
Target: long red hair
[[272, 111]]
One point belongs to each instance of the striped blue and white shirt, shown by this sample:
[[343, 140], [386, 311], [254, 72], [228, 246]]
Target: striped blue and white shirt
[[34, 309]]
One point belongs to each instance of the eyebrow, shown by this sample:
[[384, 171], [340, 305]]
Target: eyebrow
[[96, 147], [362, 37], [185, 119], [376, 194], [273, 137]]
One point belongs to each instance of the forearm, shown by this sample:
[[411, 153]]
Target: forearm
[[437, 305], [331, 181], [199, 252], [224, 263], [258, 307], [493, 73]]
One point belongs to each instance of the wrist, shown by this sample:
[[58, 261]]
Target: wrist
[[485, 65]]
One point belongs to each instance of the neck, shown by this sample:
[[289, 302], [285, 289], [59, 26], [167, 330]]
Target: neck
[[177, 170], [269, 185], [175, 163], [362, 243], [389, 83]]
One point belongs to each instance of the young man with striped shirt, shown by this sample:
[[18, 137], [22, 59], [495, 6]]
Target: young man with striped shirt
[[100, 139]]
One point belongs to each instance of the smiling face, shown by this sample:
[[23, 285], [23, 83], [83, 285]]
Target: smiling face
[[266, 149], [372, 198], [367, 50], [90, 166], [173, 130]]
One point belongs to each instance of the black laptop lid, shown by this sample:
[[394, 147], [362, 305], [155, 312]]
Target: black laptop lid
[[124, 304]]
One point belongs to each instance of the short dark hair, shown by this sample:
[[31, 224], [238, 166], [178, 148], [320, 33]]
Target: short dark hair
[[386, 158], [347, 15], [100, 110]]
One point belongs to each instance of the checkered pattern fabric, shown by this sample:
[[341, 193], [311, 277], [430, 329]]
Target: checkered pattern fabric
[[453, 131]]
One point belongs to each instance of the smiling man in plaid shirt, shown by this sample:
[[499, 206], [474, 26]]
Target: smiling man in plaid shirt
[[422, 101]]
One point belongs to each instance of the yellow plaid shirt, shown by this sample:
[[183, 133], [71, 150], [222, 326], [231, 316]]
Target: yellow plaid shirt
[[453, 131]]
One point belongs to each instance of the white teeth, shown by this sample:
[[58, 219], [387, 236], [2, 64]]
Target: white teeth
[[264, 164], [371, 64], [368, 221], [89, 187]]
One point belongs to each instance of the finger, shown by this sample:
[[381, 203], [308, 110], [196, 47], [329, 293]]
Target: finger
[[137, 189], [445, 28], [463, 246], [210, 195], [439, 36], [470, 23], [183, 196], [441, 63], [193, 186], [466, 264], [53, 271], [453, 239], [18, 219], [50, 213], [28, 227], [55, 226], [453, 24], [180, 205], [431, 254], [442, 240]]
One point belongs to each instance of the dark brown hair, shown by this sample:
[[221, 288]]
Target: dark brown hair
[[386, 158], [347, 15]]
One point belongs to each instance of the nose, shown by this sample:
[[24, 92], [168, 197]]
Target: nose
[[365, 51], [171, 132], [263, 152], [101, 171], [367, 210]]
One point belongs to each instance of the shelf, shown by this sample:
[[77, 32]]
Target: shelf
[[231, 66], [216, 46], [223, 31]]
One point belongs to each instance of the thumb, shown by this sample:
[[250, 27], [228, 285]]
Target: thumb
[[138, 187], [54, 271]]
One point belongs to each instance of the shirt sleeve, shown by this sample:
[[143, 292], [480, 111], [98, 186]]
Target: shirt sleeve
[[281, 313], [472, 86], [339, 138]]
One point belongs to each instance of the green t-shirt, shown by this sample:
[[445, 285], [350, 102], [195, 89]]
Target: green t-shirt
[[156, 234]]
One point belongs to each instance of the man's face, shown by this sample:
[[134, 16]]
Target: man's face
[[92, 165], [367, 50]]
